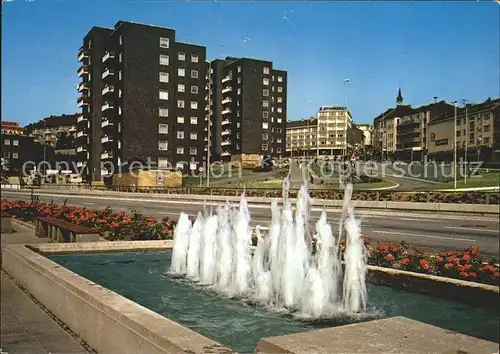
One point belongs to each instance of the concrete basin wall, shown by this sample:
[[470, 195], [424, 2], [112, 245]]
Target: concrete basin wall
[[107, 321]]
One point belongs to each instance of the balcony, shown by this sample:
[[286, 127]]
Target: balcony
[[226, 79], [81, 149], [82, 54], [225, 153], [106, 155], [226, 111], [227, 100], [72, 129], [81, 134], [226, 121], [225, 142], [227, 89], [107, 89], [106, 139], [82, 100], [106, 123], [106, 106], [82, 86], [81, 164], [108, 55], [107, 73], [84, 70], [226, 132], [80, 118]]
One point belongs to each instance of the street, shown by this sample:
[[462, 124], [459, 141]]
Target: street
[[431, 232]]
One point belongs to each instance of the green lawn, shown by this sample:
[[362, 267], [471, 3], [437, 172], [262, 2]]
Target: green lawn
[[488, 179]]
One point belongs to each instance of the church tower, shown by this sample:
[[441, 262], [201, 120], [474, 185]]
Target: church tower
[[399, 99]]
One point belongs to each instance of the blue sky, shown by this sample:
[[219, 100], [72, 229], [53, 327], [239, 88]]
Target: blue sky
[[444, 49]]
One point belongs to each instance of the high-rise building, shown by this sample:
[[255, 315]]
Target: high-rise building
[[142, 96], [333, 124], [247, 102]]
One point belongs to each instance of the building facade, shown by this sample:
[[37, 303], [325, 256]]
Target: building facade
[[333, 124], [142, 96], [301, 137], [477, 134], [246, 103], [367, 130], [58, 132], [17, 148]]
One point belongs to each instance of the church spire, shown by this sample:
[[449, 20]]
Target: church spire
[[399, 99]]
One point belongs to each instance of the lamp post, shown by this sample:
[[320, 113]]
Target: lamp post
[[344, 103], [209, 122], [466, 137], [44, 149], [455, 147]]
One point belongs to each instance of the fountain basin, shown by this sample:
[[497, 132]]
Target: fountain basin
[[100, 316]]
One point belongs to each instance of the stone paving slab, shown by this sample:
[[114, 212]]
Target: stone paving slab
[[26, 328]]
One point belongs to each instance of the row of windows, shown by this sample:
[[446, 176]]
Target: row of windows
[[15, 155], [181, 72], [14, 142], [163, 146]]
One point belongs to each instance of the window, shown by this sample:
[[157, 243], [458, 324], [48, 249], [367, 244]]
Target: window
[[238, 92], [164, 42], [163, 112], [181, 72], [194, 120], [194, 58], [180, 103], [193, 136], [6, 154], [486, 129], [194, 74], [180, 134], [194, 105], [120, 39], [265, 114], [181, 56], [239, 68], [280, 78], [264, 147], [279, 109], [278, 130], [485, 140], [120, 57], [265, 92], [7, 142], [15, 155], [278, 140], [265, 136], [280, 99], [180, 119], [238, 124], [120, 93], [280, 89], [266, 70], [180, 150], [164, 59], [163, 95], [265, 125], [265, 81], [238, 113], [119, 110], [163, 128], [119, 126], [193, 151], [163, 77], [239, 79], [194, 89], [162, 162], [120, 75], [162, 145], [181, 88], [265, 103], [15, 142], [278, 120], [458, 133], [278, 150]]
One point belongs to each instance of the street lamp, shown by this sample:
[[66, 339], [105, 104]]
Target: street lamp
[[455, 147], [344, 103], [466, 137]]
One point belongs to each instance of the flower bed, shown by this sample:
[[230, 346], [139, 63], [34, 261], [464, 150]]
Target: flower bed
[[112, 226]]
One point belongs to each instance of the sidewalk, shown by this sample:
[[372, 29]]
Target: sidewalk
[[25, 326]]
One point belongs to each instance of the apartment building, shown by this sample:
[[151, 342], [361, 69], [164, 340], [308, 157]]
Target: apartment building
[[54, 131], [142, 96], [333, 125], [301, 137], [367, 130], [477, 133], [247, 102], [17, 148]]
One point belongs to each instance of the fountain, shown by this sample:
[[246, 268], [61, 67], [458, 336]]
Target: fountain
[[289, 269]]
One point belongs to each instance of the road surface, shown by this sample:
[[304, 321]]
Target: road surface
[[430, 231]]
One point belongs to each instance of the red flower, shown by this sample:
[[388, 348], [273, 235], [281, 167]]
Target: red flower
[[405, 261], [472, 275], [366, 239], [424, 264], [466, 257], [448, 266], [439, 260], [389, 257], [474, 250]]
